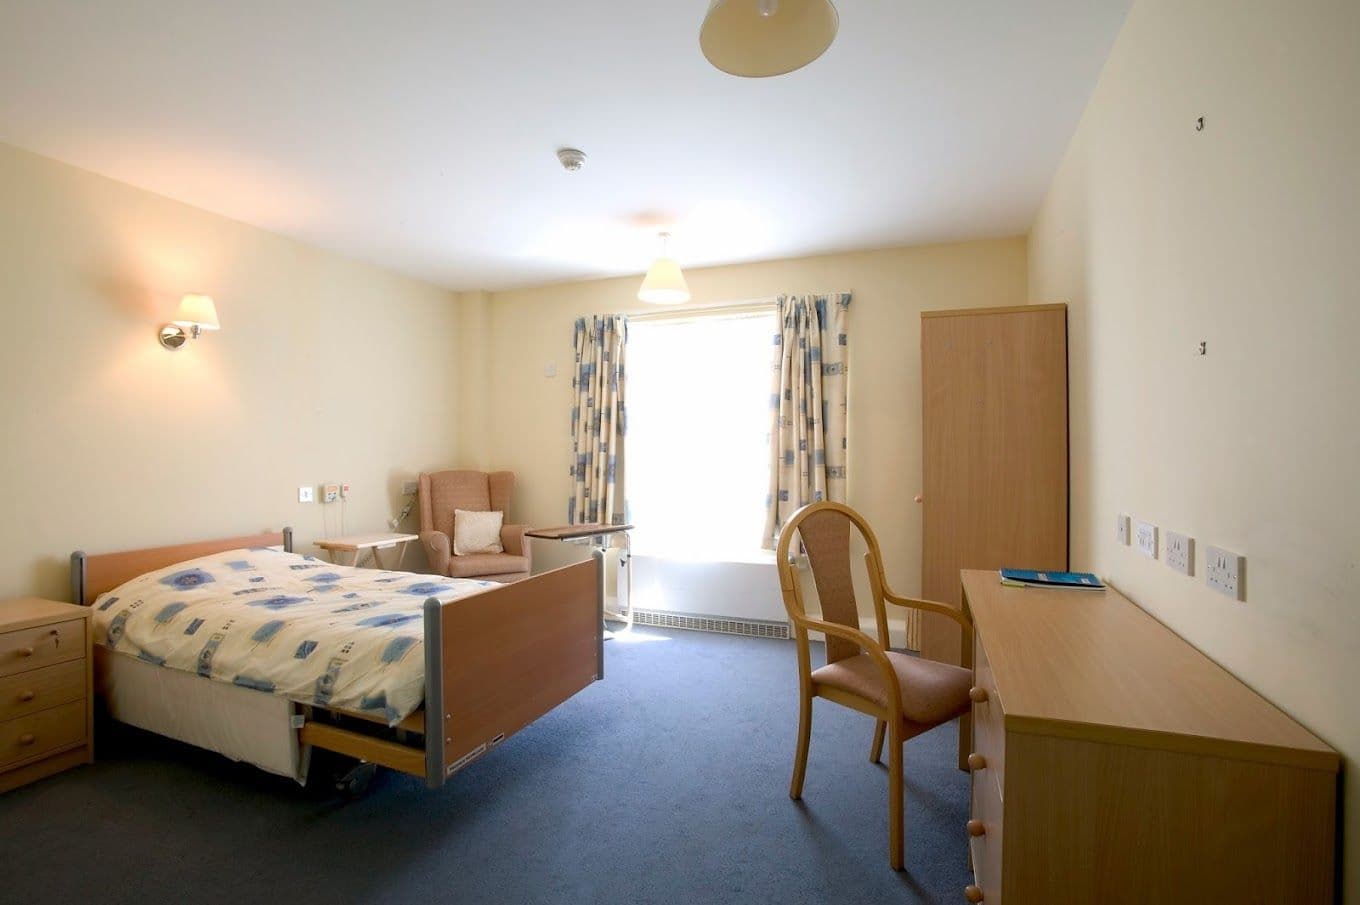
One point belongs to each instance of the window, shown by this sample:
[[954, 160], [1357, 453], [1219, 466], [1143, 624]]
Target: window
[[698, 434]]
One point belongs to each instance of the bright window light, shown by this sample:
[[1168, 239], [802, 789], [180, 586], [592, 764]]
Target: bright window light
[[698, 435]]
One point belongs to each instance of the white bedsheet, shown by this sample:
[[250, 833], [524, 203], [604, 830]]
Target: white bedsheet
[[284, 624]]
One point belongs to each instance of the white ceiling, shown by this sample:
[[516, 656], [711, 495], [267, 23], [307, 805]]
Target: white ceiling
[[421, 135]]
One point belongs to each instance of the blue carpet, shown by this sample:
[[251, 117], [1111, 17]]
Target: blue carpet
[[666, 783]]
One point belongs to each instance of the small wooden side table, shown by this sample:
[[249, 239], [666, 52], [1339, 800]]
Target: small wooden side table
[[356, 544], [46, 694]]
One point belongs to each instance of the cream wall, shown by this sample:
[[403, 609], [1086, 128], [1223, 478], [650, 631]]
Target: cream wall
[[325, 369], [529, 414], [1243, 235]]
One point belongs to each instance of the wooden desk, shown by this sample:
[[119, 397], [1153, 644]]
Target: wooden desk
[[356, 544], [1121, 765]]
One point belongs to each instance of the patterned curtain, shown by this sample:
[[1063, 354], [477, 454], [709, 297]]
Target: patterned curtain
[[597, 421], [808, 407]]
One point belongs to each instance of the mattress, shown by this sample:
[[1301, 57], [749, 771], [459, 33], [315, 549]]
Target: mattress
[[284, 624]]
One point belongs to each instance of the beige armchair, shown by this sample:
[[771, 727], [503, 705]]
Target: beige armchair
[[441, 492]]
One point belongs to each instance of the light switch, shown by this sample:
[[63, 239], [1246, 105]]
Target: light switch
[[550, 369], [307, 494], [1121, 528]]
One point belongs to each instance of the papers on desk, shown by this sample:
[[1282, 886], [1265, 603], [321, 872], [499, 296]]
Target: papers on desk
[[1028, 578]]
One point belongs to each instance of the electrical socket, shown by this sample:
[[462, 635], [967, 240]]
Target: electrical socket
[[307, 494], [1121, 528], [1226, 572], [330, 493], [1180, 552], [1146, 533]]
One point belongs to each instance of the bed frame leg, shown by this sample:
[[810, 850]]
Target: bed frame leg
[[434, 695]]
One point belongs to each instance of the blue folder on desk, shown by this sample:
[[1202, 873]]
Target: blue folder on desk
[[1029, 578]]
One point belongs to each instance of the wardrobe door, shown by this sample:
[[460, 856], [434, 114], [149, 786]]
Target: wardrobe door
[[994, 385]]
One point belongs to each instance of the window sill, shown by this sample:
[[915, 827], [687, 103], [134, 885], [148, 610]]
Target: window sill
[[752, 557]]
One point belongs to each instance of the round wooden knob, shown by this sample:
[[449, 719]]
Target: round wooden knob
[[977, 694], [26, 651], [27, 738], [918, 498], [976, 761], [976, 827], [972, 893], [26, 696]]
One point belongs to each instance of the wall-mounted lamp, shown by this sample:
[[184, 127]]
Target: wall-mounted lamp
[[195, 314]]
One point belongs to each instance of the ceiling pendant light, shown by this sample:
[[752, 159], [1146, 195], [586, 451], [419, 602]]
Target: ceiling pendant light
[[664, 283], [759, 38]]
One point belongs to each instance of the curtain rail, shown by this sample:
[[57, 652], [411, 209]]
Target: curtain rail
[[758, 306]]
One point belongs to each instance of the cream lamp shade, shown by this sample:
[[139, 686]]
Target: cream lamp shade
[[664, 283], [196, 311], [760, 38]]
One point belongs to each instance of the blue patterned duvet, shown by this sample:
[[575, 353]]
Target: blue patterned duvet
[[316, 633]]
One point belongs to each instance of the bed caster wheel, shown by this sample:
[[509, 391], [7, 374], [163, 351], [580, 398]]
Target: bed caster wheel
[[354, 784]]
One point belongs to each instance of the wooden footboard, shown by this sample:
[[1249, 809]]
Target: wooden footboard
[[497, 661]]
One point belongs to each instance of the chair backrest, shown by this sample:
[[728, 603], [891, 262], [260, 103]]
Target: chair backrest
[[441, 492], [825, 530]]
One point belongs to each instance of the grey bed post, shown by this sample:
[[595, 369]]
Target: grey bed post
[[287, 540], [434, 695], [78, 578], [599, 553]]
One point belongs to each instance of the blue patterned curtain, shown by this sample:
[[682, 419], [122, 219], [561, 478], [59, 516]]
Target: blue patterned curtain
[[808, 443], [598, 421]]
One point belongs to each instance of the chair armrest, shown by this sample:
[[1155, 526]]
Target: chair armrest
[[512, 539], [436, 544], [929, 606], [870, 647]]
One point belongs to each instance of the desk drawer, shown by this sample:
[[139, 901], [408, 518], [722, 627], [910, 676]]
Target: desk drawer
[[38, 689], [33, 648], [985, 848], [47, 730], [989, 719]]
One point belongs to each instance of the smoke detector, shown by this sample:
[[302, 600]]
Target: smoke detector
[[571, 159]]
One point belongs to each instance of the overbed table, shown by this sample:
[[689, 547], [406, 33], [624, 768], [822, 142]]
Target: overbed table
[[600, 538]]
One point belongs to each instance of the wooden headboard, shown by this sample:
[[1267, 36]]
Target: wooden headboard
[[93, 575]]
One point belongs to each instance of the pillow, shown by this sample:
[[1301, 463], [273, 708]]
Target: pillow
[[477, 532]]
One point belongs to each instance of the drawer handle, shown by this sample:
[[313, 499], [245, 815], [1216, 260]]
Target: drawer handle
[[26, 652], [27, 738], [976, 828], [972, 893], [26, 696], [976, 762], [977, 694]]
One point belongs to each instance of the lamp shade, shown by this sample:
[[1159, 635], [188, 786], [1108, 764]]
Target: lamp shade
[[196, 311], [664, 284], [759, 38]]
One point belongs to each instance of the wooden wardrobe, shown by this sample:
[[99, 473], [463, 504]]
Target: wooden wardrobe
[[994, 406]]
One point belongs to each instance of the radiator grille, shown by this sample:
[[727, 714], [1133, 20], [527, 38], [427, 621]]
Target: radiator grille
[[753, 628]]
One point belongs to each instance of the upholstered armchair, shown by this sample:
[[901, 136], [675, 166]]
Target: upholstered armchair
[[441, 492]]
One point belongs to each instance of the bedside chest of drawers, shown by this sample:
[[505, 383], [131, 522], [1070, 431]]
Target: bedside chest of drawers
[[46, 704], [1113, 763]]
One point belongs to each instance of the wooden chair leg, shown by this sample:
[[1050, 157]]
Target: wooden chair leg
[[876, 749], [800, 755], [896, 845]]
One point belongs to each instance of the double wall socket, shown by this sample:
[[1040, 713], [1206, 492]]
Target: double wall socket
[[1146, 533], [1225, 572], [1180, 552]]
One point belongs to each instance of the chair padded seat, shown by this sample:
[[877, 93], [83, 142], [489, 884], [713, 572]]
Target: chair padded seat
[[932, 692], [475, 565]]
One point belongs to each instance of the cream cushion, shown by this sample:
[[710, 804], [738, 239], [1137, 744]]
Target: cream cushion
[[477, 532]]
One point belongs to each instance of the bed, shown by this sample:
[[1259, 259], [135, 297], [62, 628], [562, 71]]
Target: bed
[[244, 647]]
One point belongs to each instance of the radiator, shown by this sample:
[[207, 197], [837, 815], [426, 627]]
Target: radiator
[[754, 628]]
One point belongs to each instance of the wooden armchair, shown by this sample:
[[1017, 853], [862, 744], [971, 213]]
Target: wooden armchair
[[905, 695], [441, 492]]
